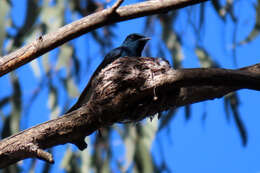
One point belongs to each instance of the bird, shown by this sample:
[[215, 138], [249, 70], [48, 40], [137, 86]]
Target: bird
[[132, 46]]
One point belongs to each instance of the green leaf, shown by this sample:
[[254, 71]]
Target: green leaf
[[36, 68], [71, 87], [4, 10], [53, 102], [205, 59], [70, 161], [4, 101], [53, 16], [6, 130], [256, 30], [143, 158], [46, 63], [16, 103], [32, 13], [171, 39], [218, 8], [65, 56], [86, 159], [149, 131], [166, 119], [233, 102], [129, 138]]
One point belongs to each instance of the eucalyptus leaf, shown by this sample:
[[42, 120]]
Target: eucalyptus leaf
[[205, 59], [256, 30], [53, 16], [233, 103], [71, 87], [66, 159], [32, 13], [219, 9], [65, 56], [129, 139], [4, 10], [86, 159], [36, 68], [16, 103], [171, 38], [149, 132], [143, 159], [53, 102], [46, 63]]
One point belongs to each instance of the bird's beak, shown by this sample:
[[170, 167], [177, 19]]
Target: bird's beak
[[145, 39]]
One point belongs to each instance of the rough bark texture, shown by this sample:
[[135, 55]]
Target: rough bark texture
[[128, 90], [73, 30]]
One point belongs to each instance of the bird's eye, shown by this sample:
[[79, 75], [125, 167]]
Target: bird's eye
[[132, 37]]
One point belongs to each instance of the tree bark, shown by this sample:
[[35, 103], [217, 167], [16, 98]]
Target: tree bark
[[89, 23], [128, 90]]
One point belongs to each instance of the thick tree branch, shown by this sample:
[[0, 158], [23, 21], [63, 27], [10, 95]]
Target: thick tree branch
[[112, 15], [128, 90]]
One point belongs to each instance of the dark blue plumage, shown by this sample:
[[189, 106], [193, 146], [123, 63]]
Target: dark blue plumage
[[133, 45]]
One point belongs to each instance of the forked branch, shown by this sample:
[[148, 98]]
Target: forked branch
[[128, 90], [89, 23]]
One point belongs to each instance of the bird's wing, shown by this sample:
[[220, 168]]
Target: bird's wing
[[85, 95]]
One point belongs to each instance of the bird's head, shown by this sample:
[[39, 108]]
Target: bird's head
[[136, 42]]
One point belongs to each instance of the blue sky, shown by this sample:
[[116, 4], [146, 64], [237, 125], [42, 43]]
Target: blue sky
[[210, 145]]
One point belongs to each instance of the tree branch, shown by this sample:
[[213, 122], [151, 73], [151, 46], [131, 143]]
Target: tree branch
[[112, 15], [128, 90]]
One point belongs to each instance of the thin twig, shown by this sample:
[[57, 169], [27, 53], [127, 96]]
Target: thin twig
[[130, 80], [116, 5], [89, 23]]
